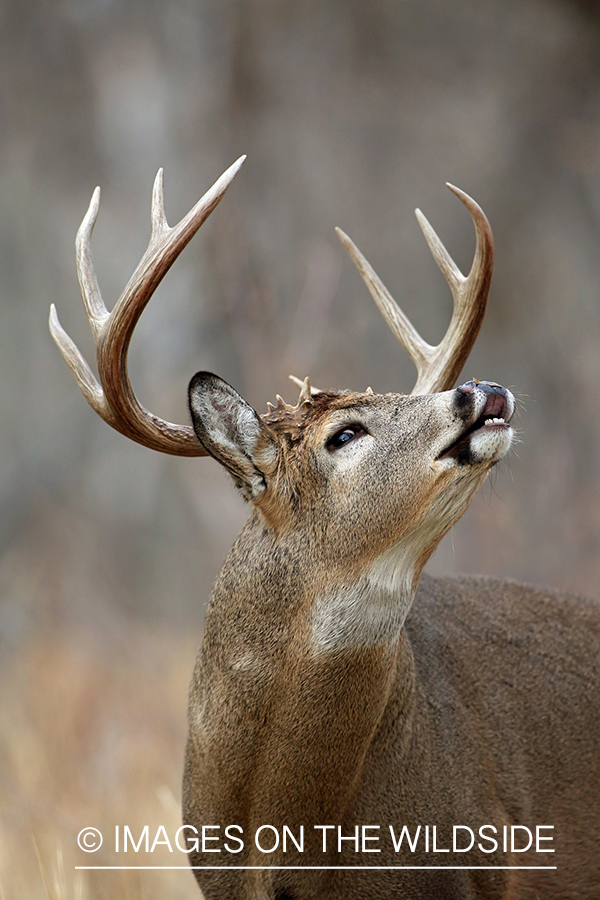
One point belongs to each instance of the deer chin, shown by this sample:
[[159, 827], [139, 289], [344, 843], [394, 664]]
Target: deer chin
[[491, 442], [487, 441]]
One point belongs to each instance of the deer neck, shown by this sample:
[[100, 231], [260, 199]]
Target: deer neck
[[314, 681]]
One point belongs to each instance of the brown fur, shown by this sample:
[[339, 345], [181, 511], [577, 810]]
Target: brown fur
[[480, 708]]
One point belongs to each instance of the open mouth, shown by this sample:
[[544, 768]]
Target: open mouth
[[496, 416]]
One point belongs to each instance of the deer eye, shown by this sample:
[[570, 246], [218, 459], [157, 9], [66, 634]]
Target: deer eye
[[344, 436]]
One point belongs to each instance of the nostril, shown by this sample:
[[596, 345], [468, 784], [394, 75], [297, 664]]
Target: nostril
[[469, 386]]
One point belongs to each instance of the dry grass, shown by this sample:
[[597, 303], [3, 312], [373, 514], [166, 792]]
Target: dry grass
[[91, 734]]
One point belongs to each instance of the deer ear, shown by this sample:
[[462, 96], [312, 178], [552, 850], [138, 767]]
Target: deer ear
[[232, 432]]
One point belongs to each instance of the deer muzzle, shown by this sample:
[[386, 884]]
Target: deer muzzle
[[486, 409]]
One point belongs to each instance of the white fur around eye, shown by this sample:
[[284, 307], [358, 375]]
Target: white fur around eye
[[348, 456]]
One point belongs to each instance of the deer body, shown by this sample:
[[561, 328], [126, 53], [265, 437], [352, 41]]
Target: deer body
[[516, 744], [323, 696], [340, 695]]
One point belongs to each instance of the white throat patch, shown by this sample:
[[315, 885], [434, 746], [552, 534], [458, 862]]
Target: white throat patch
[[367, 613]]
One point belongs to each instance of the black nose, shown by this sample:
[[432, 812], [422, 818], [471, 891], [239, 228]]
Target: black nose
[[489, 387], [497, 397]]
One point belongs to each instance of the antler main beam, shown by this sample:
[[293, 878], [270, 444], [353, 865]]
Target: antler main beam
[[438, 367], [112, 396]]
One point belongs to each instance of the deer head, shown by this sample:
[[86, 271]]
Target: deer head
[[320, 466]]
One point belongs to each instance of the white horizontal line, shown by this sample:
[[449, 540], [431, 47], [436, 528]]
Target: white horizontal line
[[314, 868]]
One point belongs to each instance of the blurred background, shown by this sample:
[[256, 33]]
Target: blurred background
[[351, 114]]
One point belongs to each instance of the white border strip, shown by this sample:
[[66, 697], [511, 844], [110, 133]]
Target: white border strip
[[310, 868]]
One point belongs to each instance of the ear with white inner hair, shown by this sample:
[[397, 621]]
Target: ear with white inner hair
[[232, 432]]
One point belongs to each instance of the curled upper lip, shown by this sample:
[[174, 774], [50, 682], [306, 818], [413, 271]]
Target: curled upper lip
[[497, 411], [497, 406]]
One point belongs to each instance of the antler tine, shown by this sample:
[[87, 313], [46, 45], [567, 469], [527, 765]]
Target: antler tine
[[88, 283], [301, 383], [438, 367], [84, 376], [158, 217], [113, 398], [402, 329], [447, 266], [470, 295]]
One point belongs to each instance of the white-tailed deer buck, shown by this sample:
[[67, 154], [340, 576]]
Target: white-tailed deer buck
[[358, 729]]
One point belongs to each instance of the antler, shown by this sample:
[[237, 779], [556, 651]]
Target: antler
[[439, 367], [113, 398]]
